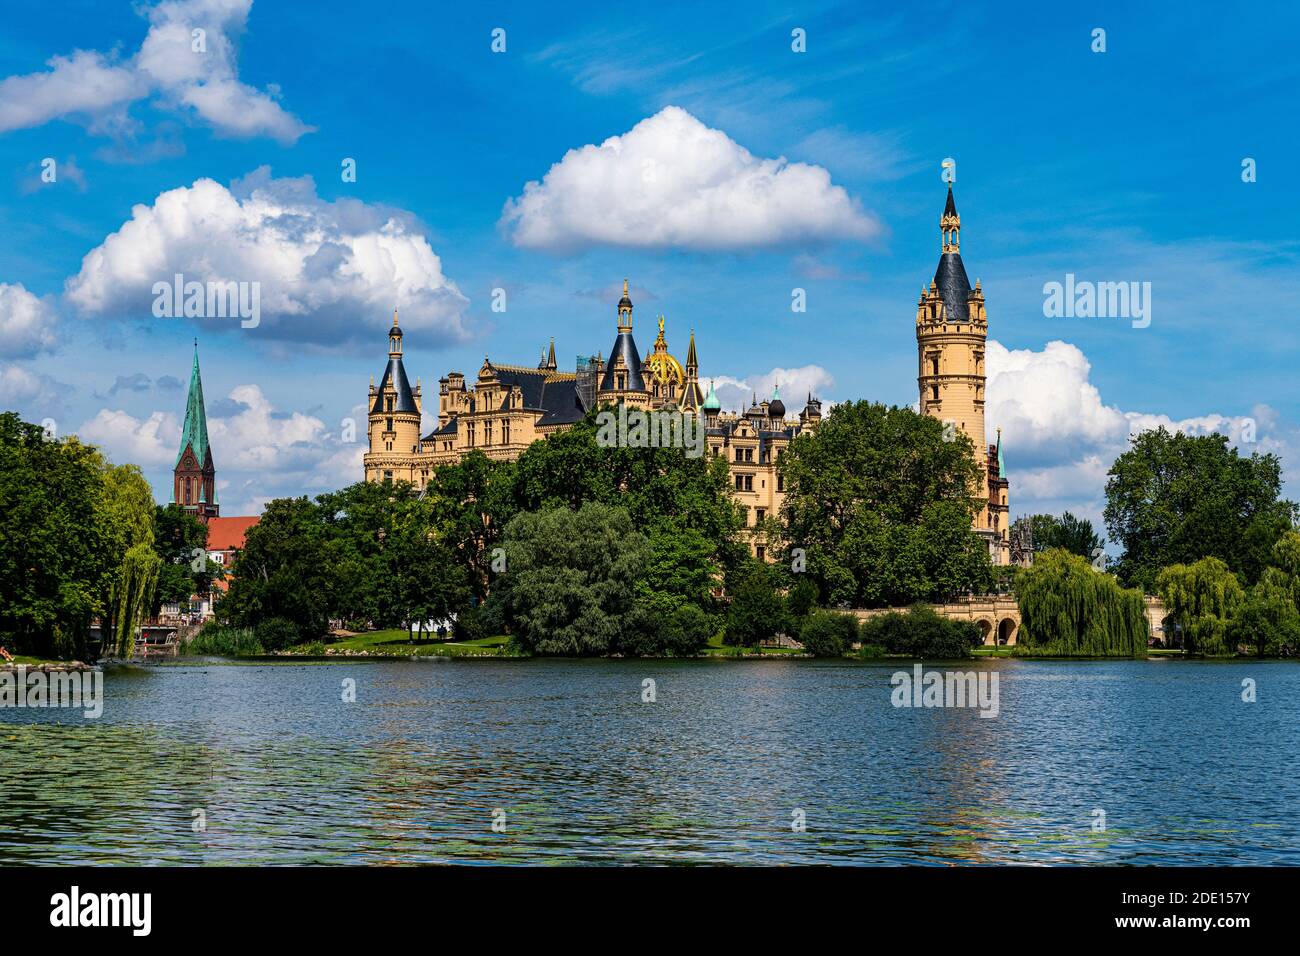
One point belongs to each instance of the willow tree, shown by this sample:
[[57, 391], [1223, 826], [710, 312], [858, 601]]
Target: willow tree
[[126, 506], [1068, 609], [1203, 597], [133, 591]]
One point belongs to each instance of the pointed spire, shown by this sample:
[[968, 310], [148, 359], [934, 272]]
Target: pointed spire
[[550, 358], [691, 361], [1002, 468], [950, 225], [195, 433]]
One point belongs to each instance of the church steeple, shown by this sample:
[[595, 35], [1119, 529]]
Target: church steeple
[[194, 477]]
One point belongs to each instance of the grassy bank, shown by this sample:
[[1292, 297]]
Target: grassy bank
[[398, 643]]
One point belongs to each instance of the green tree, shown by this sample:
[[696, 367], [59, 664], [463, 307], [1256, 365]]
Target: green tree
[[286, 570], [1202, 598], [1269, 617], [1173, 498], [1069, 609], [178, 539], [569, 585], [756, 611], [828, 633], [920, 632], [882, 507], [54, 541], [1075, 535]]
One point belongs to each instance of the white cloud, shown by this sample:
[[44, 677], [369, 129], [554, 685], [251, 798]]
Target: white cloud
[[328, 272], [168, 67], [150, 443], [1060, 438], [26, 322], [36, 397], [795, 384], [671, 181]]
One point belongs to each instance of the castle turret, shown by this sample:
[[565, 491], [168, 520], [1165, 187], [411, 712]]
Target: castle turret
[[394, 416]]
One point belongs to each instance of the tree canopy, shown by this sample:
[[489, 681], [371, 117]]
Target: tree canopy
[[882, 506], [1173, 498]]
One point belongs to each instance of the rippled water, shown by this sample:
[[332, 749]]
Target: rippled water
[[712, 772]]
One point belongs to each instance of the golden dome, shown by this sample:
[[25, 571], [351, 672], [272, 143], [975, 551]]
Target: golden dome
[[662, 365]]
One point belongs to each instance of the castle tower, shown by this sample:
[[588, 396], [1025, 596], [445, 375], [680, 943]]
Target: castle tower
[[623, 380], [951, 328], [194, 477], [394, 419]]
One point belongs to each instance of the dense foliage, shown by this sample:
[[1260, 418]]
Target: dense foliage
[[828, 633], [1202, 599], [920, 632], [881, 507], [76, 542], [1075, 535], [1069, 609], [1173, 499], [574, 548]]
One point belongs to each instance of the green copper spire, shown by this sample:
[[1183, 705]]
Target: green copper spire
[[195, 433], [1002, 468]]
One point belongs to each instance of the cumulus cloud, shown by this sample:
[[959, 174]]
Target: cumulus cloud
[[671, 181], [328, 272], [26, 322], [35, 396], [150, 442], [795, 384], [188, 61], [260, 452], [1060, 437]]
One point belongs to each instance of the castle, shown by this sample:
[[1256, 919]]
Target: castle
[[508, 407]]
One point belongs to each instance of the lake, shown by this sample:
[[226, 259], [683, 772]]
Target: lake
[[575, 767]]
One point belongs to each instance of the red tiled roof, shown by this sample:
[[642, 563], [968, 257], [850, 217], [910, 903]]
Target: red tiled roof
[[227, 534]]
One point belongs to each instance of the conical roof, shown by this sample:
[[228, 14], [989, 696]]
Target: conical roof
[[195, 432]]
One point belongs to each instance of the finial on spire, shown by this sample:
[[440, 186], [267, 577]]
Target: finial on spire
[[625, 287], [394, 318]]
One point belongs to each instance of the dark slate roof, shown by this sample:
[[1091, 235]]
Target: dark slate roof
[[397, 374], [953, 285], [950, 209], [562, 403], [444, 431], [625, 346]]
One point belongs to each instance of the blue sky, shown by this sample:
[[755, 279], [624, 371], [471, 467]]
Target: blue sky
[[743, 170]]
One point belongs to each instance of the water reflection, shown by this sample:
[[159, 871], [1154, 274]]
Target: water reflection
[[714, 771]]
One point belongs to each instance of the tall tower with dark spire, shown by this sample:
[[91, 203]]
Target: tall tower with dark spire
[[394, 417], [951, 328], [194, 477], [622, 379]]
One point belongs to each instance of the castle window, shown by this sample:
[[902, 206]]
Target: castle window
[[740, 455], [487, 433], [934, 393], [934, 366], [389, 407], [762, 513], [760, 553], [390, 425], [780, 482], [505, 431]]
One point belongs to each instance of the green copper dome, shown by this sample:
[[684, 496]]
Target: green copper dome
[[711, 403]]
